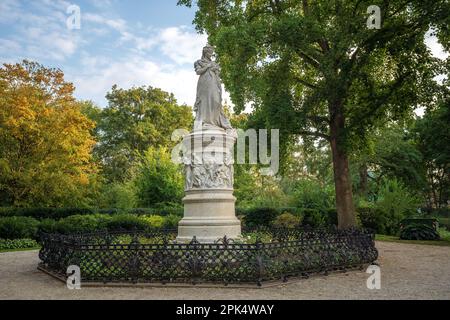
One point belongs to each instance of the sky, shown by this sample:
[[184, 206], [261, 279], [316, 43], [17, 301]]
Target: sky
[[123, 42], [128, 43]]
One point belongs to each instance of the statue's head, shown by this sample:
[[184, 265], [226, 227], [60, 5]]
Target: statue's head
[[208, 51]]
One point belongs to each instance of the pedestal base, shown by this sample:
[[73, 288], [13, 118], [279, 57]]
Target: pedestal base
[[209, 214]]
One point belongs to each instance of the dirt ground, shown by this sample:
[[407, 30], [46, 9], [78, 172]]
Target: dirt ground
[[407, 272]]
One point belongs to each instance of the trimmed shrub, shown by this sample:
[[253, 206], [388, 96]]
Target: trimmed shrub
[[82, 223], [47, 226], [154, 221], [314, 218], [287, 220], [171, 221], [18, 227], [419, 231], [60, 213], [256, 217], [8, 244], [126, 222]]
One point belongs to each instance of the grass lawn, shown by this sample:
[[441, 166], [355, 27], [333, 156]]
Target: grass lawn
[[443, 242]]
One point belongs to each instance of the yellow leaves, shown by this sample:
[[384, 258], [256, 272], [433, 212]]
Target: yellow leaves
[[45, 140]]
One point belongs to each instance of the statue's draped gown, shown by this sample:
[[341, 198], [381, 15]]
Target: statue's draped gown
[[208, 105]]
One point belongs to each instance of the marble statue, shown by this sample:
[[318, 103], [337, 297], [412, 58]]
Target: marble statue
[[208, 104], [209, 204]]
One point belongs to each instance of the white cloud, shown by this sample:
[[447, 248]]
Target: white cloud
[[100, 75], [161, 58], [119, 25], [181, 45]]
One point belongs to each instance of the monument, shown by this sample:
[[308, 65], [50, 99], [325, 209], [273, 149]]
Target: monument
[[209, 204]]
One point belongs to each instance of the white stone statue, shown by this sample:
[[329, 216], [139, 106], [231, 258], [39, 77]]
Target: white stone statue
[[209, 204], [208, 104]]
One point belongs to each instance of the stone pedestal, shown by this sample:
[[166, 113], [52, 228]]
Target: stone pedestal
[[209, 204]]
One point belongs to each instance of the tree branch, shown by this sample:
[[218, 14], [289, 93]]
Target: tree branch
[[314, 134]]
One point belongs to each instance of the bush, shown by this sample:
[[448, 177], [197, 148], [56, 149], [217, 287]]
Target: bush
[[44, 213], [18, 227], [314, 218], [82, 224], [394, 204], [47, 226], [260, 217], [119, 195], [287, 220], [7, 244], [60, 213], [154, 221], [311, 194], [431, 222], [419, 231], [126, 222], [171, 221]]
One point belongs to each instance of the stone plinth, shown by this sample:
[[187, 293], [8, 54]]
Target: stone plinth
[[209, 204]]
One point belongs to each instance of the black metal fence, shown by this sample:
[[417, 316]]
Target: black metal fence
[[155, 257]]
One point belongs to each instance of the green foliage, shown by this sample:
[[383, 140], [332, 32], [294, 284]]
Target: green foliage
[[433, 140], [119, 195], [311, 194], [125, 222], [313, 68], [257, 217], [394, 198], [42, 213], [8, 244], [136, 119], [419, 231], [81, 224], [158, 179], [431, 222], [154, 221], [59, 213], [392, 153], [287, 220], [45, 140], [314, 218], [394, 204], [18, 227], [171, 221]]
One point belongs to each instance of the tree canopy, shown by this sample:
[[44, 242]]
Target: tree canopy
[[134, 120], [314, 68], [45, 140]]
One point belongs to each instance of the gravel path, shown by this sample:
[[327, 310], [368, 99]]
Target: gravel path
[[407, 272]]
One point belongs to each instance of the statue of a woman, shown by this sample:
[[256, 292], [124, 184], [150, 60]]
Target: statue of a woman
[[208, 105]]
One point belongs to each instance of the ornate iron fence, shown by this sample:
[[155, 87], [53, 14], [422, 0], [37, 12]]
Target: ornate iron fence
[[261, 255]]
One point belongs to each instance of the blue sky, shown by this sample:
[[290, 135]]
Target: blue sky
[[123, 42], [129, 43]]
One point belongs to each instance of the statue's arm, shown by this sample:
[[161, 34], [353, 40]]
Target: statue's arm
[[201, 68]]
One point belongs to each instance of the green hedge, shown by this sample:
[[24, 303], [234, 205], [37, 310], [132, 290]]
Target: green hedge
[[23, 223], [18, 227], [26, 227], [59, 213], [266, 216]]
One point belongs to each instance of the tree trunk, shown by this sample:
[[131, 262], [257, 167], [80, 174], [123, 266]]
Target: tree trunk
[[342, 179]]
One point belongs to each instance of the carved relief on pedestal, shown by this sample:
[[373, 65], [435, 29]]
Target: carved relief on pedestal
[[209, 173]]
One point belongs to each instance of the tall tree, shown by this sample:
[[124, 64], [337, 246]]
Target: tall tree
[[314, 67], [433, 140], [136, 119], [45, 140]]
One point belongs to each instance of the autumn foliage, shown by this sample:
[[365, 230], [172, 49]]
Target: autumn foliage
[[45, 140]]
